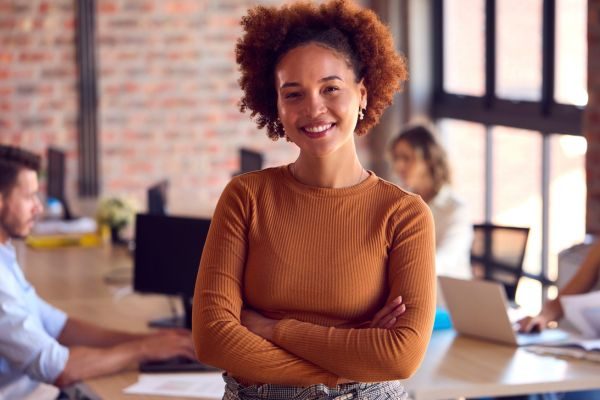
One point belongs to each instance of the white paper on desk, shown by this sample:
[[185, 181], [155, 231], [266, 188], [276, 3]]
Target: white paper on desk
[[583, 311], [201, 385], [573, 349], [76, 226]]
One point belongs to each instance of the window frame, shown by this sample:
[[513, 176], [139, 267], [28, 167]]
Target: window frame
[[545, 117]]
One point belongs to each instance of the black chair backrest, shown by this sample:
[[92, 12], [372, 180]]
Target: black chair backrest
[[499, 251]]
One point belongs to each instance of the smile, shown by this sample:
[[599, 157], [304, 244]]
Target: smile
[[317, 131]]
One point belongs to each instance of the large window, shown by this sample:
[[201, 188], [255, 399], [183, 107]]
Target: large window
[[509, 84]]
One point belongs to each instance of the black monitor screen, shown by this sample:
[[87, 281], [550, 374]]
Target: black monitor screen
[[56, 174], [167, 253], [250, 160], [157, 198]]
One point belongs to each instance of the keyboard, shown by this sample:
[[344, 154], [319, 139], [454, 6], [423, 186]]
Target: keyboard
[[176, 364]]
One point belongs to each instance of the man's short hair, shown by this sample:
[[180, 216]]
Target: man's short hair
[[12, 161]]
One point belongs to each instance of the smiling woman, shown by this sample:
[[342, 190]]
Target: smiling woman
[[317, 278]]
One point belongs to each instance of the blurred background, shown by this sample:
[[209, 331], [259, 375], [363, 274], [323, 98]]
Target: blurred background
[[139, 91]]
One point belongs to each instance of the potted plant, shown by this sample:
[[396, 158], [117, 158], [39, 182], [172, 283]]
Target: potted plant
[[117, 213]]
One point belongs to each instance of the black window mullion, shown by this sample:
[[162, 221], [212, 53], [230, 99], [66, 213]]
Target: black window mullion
[[490, 53], [438, 49], [522, 115], [548, 52]]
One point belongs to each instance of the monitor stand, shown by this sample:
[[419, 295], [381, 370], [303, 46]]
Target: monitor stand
[[176, 321], [67, 215]]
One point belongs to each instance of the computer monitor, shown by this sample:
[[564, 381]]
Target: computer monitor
[[157, 198], [250, 161], [56, 179], [167, 256]]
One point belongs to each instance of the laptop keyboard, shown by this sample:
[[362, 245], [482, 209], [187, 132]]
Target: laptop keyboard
[[176, 364]]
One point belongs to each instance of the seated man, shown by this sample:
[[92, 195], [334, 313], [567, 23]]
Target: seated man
[[40, 343]]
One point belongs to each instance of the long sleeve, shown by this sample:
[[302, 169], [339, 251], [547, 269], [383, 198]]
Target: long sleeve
[[29, 327], [219, 337], [380, 354]]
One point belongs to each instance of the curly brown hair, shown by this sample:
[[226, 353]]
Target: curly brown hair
[[366, 43]]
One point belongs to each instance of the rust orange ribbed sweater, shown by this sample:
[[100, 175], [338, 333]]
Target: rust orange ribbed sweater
[[323, 261]]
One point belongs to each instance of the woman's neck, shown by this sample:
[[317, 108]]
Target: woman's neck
[[424, 187], [427, 191], [329, 171]]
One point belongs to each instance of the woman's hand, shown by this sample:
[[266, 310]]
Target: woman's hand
[[551, 312], [387, 317], [262, 326], [532, 324], [258, 324]]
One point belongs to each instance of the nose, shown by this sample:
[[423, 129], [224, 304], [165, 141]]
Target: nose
[[315, 105], [400, 166], [38, 207]]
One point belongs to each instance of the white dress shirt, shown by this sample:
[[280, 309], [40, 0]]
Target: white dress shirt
[[453, 234], [29, 351]]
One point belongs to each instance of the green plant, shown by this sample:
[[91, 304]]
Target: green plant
[[116, 212]]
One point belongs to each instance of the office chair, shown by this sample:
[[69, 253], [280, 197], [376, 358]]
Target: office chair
[[497, 254]]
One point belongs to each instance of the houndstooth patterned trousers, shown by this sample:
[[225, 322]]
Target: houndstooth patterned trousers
[[390, 390]]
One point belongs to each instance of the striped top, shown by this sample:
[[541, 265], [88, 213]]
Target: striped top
[[323, 261]]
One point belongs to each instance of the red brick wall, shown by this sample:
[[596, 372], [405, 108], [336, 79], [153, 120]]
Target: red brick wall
[[169, 93], [38, 97], [592, 119]]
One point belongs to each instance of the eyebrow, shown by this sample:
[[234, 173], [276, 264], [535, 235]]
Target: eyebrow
[[327, 78]]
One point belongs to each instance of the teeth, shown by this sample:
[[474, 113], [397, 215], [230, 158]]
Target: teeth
[[316, 129]]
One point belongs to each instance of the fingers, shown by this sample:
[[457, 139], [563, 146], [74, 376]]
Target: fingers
[[390, 311], [523, 324], [182, 347], [535, 325], [190, 353], [173, 332], [529, 324], [390, 320]]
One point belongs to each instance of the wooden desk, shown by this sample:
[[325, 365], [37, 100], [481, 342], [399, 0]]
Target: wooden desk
[[458, 366], [73, 279]]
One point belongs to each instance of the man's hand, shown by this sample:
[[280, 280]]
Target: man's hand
[[88, 362], [387, 317], [258, 324], [166, 344]]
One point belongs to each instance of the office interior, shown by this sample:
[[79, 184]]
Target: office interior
[[140, 98]]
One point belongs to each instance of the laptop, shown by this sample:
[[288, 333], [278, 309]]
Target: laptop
[[479, 308]]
